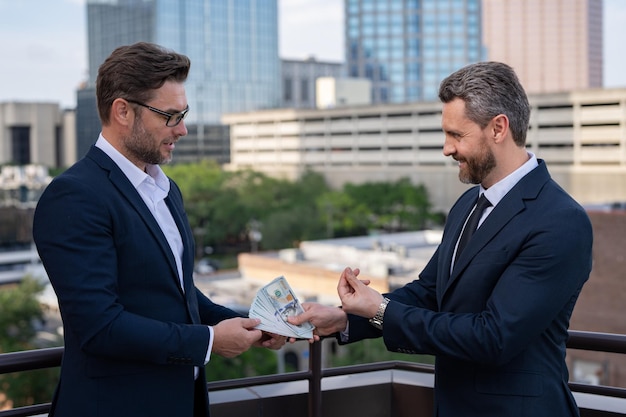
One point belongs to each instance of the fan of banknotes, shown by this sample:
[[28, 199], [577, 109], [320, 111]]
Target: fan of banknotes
[[273, 304]]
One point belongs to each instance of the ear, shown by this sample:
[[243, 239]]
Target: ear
[[499, 128], [121, 112]]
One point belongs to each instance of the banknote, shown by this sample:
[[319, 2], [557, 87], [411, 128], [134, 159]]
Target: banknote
[[273, 304]]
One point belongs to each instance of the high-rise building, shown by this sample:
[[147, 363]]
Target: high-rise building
[[298, 80], [233, 47], [553, 46], [406, 47]]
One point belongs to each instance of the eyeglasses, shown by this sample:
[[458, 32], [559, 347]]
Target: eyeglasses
[[173, 119]]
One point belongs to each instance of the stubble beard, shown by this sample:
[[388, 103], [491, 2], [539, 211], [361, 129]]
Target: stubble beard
[[141, 145], [477, 168]]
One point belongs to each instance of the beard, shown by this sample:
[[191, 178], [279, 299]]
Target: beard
[[477, 167], [141, 145]]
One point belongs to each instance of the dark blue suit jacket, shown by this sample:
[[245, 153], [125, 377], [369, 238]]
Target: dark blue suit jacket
[[498, 324], [132, 335]]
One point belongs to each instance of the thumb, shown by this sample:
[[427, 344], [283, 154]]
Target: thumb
[[299, 319]]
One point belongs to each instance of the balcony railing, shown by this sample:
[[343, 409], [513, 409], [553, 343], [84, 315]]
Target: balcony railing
[[598, 400]]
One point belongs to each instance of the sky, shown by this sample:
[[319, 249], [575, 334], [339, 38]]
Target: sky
[[44, 52]]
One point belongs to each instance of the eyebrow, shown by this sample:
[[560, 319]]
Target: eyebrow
[[172, 110]]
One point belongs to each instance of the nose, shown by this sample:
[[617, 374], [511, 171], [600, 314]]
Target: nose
[[180, 129], [448, 147]]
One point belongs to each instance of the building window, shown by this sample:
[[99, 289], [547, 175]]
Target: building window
[[288, 89], [304, 89], [20, 145]]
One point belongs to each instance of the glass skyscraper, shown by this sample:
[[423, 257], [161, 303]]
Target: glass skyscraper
[[232, 44], [406, 47]]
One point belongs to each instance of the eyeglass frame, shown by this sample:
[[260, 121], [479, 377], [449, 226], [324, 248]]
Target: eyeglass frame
[[181, 114]]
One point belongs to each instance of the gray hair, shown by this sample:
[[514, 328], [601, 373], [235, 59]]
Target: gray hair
[[489, 89]]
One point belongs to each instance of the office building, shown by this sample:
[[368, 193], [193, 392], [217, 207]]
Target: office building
[[554, 45], [233, 47], [36, 133], [333, 92], [406, 47], [299, 77], [579, 134]]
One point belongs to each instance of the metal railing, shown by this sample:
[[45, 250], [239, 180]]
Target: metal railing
[[51, 357]]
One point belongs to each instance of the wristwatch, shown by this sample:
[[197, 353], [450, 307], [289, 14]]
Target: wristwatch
[[377, 320]]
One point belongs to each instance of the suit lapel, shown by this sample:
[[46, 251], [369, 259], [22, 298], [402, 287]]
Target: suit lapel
[[126, 189], [510, 206], [454, 226]]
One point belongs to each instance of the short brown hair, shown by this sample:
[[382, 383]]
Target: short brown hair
[[133, 72]]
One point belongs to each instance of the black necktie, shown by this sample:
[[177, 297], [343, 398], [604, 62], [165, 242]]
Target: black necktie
[[472, 224]]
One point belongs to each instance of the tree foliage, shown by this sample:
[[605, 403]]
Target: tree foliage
[[20, 317], [222, 207], [253, 362]]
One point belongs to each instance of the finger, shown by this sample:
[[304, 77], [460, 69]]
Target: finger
[[249, 323], [273, 343], [255, 335], [342, 285], [300, 318], [352, 279]]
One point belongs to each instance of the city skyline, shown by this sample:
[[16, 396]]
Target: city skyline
[[47, 56]]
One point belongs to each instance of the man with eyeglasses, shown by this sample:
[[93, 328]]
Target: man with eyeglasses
[[114, 238]]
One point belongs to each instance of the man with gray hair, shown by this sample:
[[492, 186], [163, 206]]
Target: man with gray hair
[[493, 303]]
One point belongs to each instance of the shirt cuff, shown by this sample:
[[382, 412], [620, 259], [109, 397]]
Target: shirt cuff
[[345, 334], [208, 352]]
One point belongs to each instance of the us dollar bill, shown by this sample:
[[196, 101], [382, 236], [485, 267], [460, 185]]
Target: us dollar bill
[[273, 304]]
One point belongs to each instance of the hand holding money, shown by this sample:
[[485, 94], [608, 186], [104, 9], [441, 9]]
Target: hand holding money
[[273, 304]]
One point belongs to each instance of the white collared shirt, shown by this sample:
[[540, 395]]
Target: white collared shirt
[[153, 187]]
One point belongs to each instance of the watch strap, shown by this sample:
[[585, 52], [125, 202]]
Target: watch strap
[[377, 320]]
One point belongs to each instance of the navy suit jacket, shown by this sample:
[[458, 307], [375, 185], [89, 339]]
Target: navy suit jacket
[[132, 334], [498, 323]]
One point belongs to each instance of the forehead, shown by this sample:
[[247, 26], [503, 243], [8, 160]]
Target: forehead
[[170, 96], [453, 116]]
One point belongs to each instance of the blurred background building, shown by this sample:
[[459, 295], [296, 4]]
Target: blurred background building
[[554, 45], [36, 133], [407, 47], [298, 80], [233, 47]]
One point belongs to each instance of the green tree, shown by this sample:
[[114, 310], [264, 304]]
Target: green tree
[[343, 215], [288, 227], [300, 218], [392, 206], [221, 206], [20, 316], [253, 362]]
